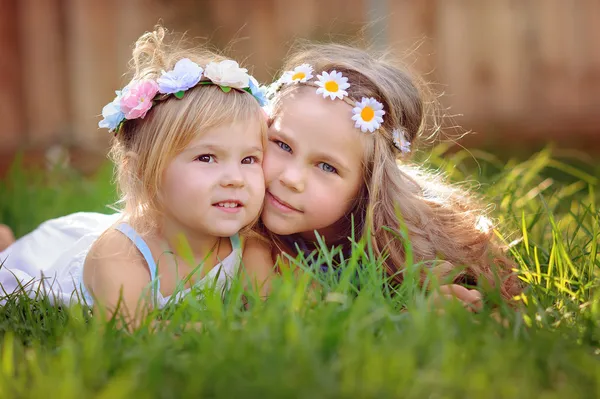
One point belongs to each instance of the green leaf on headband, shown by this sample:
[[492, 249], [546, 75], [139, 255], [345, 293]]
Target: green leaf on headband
[[226, 89], [247, 89], [205, 82], [179, 94], [118, 128]]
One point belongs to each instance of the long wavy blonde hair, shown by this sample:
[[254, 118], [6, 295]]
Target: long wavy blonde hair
[[442, 221], [143, 148]]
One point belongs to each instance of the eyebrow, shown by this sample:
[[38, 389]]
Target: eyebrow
[[284, 135], [322, 156], [219, 148]]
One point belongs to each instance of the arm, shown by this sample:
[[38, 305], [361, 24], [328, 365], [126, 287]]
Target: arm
[[117, 276], [470, 299], [258, 266]]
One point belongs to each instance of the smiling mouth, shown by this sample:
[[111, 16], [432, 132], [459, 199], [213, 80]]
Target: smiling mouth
[[281, 205], [229, 205]]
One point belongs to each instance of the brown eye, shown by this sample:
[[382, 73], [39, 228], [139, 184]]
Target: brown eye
[[249, 160], [207, 158]]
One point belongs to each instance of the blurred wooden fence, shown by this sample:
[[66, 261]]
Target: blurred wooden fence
[[530, 67]]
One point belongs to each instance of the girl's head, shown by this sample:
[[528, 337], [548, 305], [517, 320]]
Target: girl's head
[[325, 164], [189, 138], [331, 163]]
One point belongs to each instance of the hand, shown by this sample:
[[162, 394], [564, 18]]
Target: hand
[[6, 237], [471, 299]]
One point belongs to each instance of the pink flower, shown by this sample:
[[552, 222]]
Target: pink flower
[[137, 99]]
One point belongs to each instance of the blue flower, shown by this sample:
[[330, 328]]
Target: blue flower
[[258, 92], [185, 75], [112, 114]]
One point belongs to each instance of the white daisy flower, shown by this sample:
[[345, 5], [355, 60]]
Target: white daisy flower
[[333, 85], [300, 74], [368, 114], [400, 141]]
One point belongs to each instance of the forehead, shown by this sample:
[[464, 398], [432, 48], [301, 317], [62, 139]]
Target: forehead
[[237, 134], [324, 124]]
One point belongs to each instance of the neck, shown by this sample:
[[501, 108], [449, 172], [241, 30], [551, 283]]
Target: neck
[[336, 234], [179, 238]]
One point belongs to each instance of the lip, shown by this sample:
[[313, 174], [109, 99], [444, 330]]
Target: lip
[[279, 204], [229, 210]]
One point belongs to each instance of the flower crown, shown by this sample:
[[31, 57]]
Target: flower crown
[[367, 113], [137, 98]]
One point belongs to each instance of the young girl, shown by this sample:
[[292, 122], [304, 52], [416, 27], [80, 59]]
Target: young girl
[[342, 129], [189, 135]]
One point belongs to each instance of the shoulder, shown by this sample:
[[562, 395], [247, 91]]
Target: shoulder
[[257, 248], [114, 264], [257, 262], [112, 246]]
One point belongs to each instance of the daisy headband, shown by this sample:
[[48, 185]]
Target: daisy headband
[[367, 113], [139, 96]]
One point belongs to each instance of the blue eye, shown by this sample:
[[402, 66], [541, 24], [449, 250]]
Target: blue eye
[[207, 158], [283, 146], [327, 168]]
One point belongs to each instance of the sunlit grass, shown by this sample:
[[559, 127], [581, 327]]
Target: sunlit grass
[[341, 342]]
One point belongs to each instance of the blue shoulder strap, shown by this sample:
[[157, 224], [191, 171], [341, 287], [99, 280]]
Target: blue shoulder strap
[[235, 241], [141, 245]]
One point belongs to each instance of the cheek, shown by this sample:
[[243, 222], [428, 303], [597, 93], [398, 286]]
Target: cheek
[[256, 180], [169, 182], [334, 197], [271, 166], [186, 183], [255, 183]]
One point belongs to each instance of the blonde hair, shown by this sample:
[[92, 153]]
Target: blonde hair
[[442, 221], [143, 148]]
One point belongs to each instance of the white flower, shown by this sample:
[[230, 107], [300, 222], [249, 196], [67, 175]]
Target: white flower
[[368, 114], [332, 84], [400, 141], [274, 87], [227, 73], [301, 74]]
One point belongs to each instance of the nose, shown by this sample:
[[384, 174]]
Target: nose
[[232, 177], [293, 178]]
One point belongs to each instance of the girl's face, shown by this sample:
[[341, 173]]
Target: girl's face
[[216, 185], [312, 166]]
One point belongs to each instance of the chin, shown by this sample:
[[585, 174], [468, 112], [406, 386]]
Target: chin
[[281, 229], [227, 231]]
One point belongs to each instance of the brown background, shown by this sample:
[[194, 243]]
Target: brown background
[[520, 73]]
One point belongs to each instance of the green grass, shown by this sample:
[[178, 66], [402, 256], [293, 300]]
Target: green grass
[[347, 343]]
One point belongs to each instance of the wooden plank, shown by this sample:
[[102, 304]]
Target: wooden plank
[[588, 37], [505, 52], [43, 67], [412, 31], [297, 17], [264, 52], [11, 96], [456, 59], [553, 54], [134, 18], [93, 41]]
